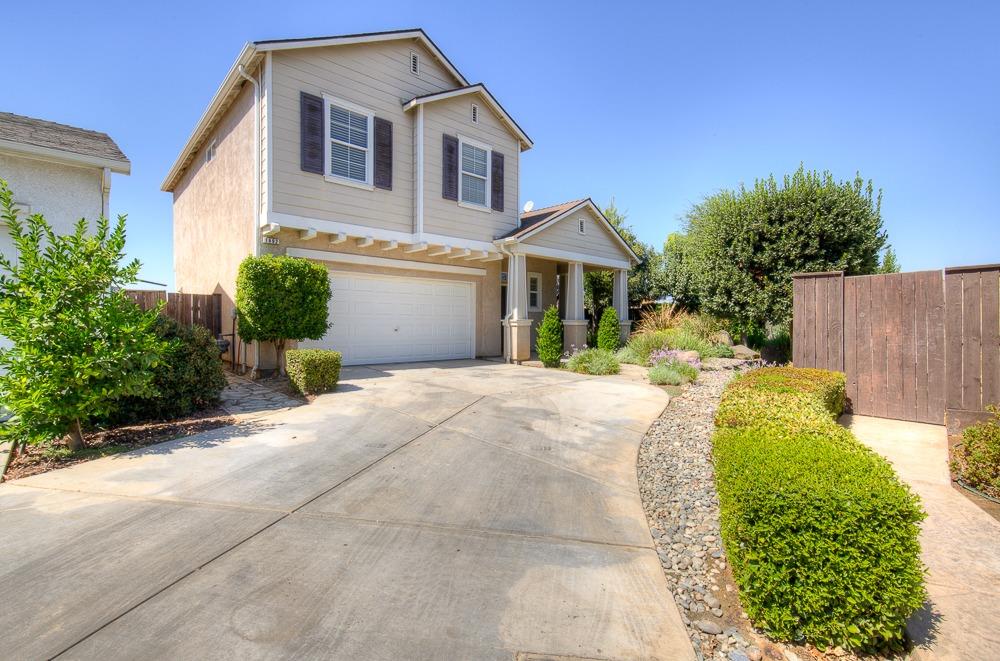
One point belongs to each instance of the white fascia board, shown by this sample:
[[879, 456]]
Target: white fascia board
[[382, 262], [64, 157], [334, 227], [568, 256]]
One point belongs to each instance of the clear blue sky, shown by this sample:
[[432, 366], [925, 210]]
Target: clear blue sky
[[654, 106]]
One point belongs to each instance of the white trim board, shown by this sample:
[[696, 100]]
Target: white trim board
[[63, 156], [386, 262], [565, 255]]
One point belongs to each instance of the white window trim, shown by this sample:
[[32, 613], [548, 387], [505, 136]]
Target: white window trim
[[329, 100], [210, 151], [535, 308], [488, 207]]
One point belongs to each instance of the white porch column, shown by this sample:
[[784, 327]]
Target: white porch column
[[519, 323], [620, 301], [575, 323]]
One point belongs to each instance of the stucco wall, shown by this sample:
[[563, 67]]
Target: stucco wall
[[487, 287], [62, 193], [213, 210]]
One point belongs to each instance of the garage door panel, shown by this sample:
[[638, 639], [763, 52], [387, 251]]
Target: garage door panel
[[379, 318]]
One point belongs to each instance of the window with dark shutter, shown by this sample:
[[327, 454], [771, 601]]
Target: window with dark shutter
[[383, 153], [311, 133], [496, 182], [449, 167]]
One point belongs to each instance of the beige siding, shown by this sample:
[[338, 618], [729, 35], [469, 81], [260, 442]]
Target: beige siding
[[213, 209], [446, 217], [597, 239], [487, 288], [265, 101], [374, 76]]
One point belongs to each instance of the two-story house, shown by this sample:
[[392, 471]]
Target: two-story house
[[374, 155]]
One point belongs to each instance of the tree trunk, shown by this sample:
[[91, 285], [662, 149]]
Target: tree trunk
[[74, 439], [279, 348]]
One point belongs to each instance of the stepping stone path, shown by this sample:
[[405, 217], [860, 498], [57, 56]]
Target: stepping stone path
[[246, 398]]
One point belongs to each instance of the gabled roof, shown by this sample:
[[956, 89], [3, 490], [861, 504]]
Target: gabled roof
[[248, 59], [480, 89], [537, 220], [68, 143]]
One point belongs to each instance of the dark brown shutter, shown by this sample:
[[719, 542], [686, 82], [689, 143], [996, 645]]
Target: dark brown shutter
[[496, 181], [449, 167], [311, 133], [383, 153]]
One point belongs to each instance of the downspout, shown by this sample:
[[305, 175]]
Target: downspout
[[255, 250]]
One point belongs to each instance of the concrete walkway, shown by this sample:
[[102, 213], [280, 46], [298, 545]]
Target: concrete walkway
[[459, 510], [960, 544]]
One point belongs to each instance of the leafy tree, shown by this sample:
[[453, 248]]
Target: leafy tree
[[79, 343], [281, 298], [889, 262], [609, 331], [741, 247], [678, 278], [549, 343], [645, 280]]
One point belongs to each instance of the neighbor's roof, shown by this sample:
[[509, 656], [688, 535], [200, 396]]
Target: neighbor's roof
[[251, 55], [536, 220], [480, 89], [69, 143]]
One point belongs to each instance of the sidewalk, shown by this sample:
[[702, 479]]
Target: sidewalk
[[960, 544]]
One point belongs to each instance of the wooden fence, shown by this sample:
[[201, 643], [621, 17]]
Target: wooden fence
[[191, 309], [914, 346]]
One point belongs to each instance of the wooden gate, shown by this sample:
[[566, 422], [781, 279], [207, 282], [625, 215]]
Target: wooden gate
[[919, 346]]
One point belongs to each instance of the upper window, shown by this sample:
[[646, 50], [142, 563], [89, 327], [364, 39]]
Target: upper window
[[210, 151], [475, 174], [534, 291], [349, 155], [414, 64]]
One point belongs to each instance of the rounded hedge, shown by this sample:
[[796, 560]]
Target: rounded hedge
[[822, 536], [609, 330], [313, 371]]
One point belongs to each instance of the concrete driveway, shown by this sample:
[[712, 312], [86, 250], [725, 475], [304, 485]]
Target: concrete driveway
[[457, 510]]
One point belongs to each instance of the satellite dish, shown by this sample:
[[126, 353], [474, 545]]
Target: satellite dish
[[528, 206]]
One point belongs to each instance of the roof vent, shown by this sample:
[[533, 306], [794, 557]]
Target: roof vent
[[414, 63], [475, 114]]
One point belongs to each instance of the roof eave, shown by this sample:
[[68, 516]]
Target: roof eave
[[589, 203], [64, 156], [481, 89], [204, 124]]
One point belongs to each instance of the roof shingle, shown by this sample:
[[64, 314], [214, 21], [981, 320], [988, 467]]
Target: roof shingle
[[42, 133], [531, 218]]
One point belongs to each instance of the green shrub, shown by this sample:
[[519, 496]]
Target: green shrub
[[627, 354], [593, 361], [313, 371], [643, 344], [188, 379], [549, 343], [282, 298], [821, 535], [608, 330], [718, 351], [672, 373], [977, 457]]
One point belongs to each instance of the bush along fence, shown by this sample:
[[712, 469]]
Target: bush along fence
[[203, 310], [921, 346], [821, 534]]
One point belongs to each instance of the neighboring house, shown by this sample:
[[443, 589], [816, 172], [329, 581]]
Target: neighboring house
[[59, 171], [374, 155]]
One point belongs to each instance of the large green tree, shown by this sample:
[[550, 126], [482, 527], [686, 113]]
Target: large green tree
[[281, 298], [740, 248], [78, 344], [645, 280]]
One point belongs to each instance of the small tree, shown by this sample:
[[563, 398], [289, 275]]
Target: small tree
[[889, 262], [79, 343], [549, 342], [609, 330], [281, 298]]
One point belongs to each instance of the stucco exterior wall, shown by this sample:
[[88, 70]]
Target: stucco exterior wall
[[213, 211], [62, 193], [487, 288]]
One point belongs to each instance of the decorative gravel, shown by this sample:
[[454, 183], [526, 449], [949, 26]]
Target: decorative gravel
[[677, 485]]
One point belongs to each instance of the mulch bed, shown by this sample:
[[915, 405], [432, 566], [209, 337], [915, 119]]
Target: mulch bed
[[103, 442]]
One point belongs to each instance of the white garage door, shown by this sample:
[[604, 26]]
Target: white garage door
[[384, 319]]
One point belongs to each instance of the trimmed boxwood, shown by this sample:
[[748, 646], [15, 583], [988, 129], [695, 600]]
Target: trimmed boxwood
[[313, 371], [821, 534], [609, 330], [549, 343]]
